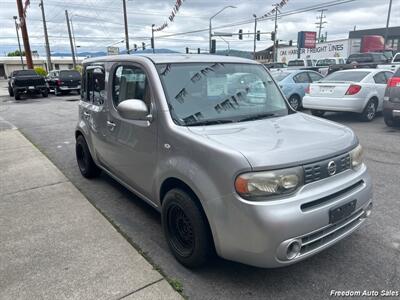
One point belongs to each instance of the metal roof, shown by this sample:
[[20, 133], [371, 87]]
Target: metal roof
[[174, 58]]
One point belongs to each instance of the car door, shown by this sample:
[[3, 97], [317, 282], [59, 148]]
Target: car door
[[380, 87], [302, 81], [131, 150]]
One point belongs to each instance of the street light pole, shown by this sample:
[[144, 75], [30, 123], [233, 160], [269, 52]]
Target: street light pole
[[19, 44], [210, 25], [387, 24], [275, 30]]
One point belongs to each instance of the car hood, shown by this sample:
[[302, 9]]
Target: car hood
[[283, 141]]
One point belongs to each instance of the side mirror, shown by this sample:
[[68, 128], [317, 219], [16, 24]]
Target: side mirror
[[134, 109]]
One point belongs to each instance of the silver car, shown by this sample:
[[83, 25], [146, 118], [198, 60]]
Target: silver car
[[211, 143]]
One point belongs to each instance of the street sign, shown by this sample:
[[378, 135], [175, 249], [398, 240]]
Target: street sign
[[306, 39], [112, 50]]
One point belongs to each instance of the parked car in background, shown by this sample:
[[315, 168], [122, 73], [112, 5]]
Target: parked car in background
[[231, 168], [393, 66], [301, 63], [358, 90], [360, 60], [323, 64], [391, 101], [276, 65], [64, 81], [26, 82], [294, 84]]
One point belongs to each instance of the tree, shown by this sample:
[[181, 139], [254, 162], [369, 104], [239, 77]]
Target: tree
[[16, 53]]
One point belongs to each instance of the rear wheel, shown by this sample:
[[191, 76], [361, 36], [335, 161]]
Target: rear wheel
[[186, 228], [85, 161], [294, 102], [317, 113], [369, 112]]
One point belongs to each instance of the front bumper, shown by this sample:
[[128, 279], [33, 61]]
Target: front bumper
[[258, 233], [345, 104]]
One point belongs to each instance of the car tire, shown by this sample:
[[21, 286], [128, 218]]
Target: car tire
[[45, 94], [317, 113], [17, 96], [295, 102], [10, 91], [84, 159], [186, 228], [369, 111], [57, 92]]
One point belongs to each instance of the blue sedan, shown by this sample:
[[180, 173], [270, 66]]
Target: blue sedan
[[294, 84]]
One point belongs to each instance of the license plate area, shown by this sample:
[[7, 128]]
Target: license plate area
[[339, 213], [326, 89]]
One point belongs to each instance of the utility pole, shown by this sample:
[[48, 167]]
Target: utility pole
[[126, 27], [387, 24], [320, 23], [19, 44], [73, 38], [275, 30], [152, 37], [46, 38], [70, 39], [25, 37], [255, 36]]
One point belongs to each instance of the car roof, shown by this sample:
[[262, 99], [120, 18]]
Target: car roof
[[173, 58]]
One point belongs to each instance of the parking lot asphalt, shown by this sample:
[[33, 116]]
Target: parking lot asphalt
[[367, 260]]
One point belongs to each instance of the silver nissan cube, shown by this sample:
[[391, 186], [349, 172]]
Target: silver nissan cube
[[213, 145]]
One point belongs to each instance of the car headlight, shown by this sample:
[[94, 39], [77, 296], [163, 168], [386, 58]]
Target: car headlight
[[269, 183], [356, 157]]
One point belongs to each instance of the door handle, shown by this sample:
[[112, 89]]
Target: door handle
[[86, 115], [111, 125]]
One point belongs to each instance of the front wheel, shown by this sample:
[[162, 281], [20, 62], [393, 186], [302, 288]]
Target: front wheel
[[369, 112], [17, 96], [294, 102], [85, 161], [10, 91], [317, 113], [186, 228], [45, 94]]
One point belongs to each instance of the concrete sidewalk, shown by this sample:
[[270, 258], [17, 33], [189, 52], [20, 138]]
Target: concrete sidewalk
[[54, 244]]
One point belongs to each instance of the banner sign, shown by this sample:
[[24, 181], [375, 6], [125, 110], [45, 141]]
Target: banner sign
[[306, 39], [172, 15], [273, 11]]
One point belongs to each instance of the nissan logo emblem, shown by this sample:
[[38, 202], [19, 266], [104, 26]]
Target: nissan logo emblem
[[331, 168]]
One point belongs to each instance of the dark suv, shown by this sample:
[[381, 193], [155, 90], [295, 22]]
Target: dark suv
[[391, 101], [64, 81], [26, 82]]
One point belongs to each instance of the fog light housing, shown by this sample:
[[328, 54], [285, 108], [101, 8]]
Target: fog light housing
[[293, 249]]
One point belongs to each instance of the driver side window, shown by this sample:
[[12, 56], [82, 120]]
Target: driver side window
[[130, 82]]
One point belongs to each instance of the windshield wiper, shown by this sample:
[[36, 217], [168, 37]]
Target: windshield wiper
[[258, 117], [210, 122]]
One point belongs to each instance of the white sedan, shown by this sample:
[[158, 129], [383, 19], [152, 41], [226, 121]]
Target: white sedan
[[355, 90]]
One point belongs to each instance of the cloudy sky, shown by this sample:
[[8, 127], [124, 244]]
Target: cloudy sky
[[99, 23]]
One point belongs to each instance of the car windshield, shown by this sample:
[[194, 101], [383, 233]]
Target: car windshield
[[295, 63], [70, 74], [325, 62], [279, 76], [24, 73], [214, 93], [354, 76]]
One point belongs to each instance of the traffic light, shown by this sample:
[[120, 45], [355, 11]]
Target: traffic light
[[198, 50], [187, 50], [258, 35], [152, 43], [213, 46], [240, 34], [143, 46], [135, 47], [290, 43], [273, 36]]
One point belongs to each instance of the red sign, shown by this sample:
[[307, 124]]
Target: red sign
[[310, 39]]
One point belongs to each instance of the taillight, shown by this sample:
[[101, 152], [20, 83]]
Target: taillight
[[353, 89], [307, 90], [58, 82], [394, 82]]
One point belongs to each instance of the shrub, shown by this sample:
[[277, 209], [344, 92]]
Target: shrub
[[40, 71]]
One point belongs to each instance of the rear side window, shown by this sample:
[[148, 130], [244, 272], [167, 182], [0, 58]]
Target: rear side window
[[94, 86], [396, 58], [301, 78], [315, 76], [130, 82], [380, 78]]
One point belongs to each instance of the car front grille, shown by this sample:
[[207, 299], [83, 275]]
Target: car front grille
[[29, 82], [328, 234], [319, 170]]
